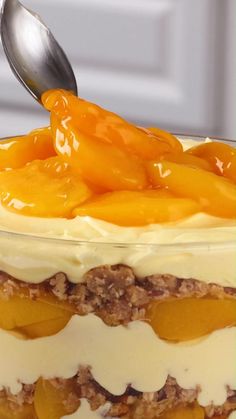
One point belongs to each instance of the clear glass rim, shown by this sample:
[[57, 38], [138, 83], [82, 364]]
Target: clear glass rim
[[78, 242], [218, 245], [203, 137]]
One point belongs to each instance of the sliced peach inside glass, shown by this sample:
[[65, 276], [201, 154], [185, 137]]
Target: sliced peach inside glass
[[45, 328], [17, 151], [188, 412], [9, 411], [190, 318], [138, 208], [220, 417], [216, 195], [50, 399], [17, 312], [43, 188]]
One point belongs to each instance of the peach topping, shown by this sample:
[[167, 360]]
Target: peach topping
[[220, 156], [92, 162], [45, 188], [206, 188], [16, 152], [138, 208]]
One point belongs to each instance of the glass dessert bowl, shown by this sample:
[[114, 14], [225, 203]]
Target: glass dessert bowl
[[116, 300]]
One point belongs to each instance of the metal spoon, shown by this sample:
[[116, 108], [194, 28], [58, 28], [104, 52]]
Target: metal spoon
[[34, 55]]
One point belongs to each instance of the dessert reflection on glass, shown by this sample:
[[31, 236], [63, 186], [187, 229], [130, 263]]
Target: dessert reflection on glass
[[118, 273]]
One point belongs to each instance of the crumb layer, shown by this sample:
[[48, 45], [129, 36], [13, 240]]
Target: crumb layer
[[131, 405], [114, 293]]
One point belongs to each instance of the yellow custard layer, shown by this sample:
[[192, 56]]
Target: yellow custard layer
[[145, 361]]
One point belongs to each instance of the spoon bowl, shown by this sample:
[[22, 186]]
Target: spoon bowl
[[34, 55]]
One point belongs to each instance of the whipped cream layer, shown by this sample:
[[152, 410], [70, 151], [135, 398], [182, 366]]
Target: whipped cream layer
[[200, 247], [145, 361]]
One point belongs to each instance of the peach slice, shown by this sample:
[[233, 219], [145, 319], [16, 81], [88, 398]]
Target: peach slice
[[189, 160], [190, 318], [100, 163], [128, 208], [93, 121], [45, 328], [188, 412], [23, 412], [222, 157], [216, 195], [17, 151], [50, 399], [220, 417], [17, 311], [168, 138], [43, 188]]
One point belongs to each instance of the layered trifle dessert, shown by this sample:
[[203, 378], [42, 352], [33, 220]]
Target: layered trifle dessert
[[118, 270]]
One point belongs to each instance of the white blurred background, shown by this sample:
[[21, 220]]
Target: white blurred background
[[169, 63]]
